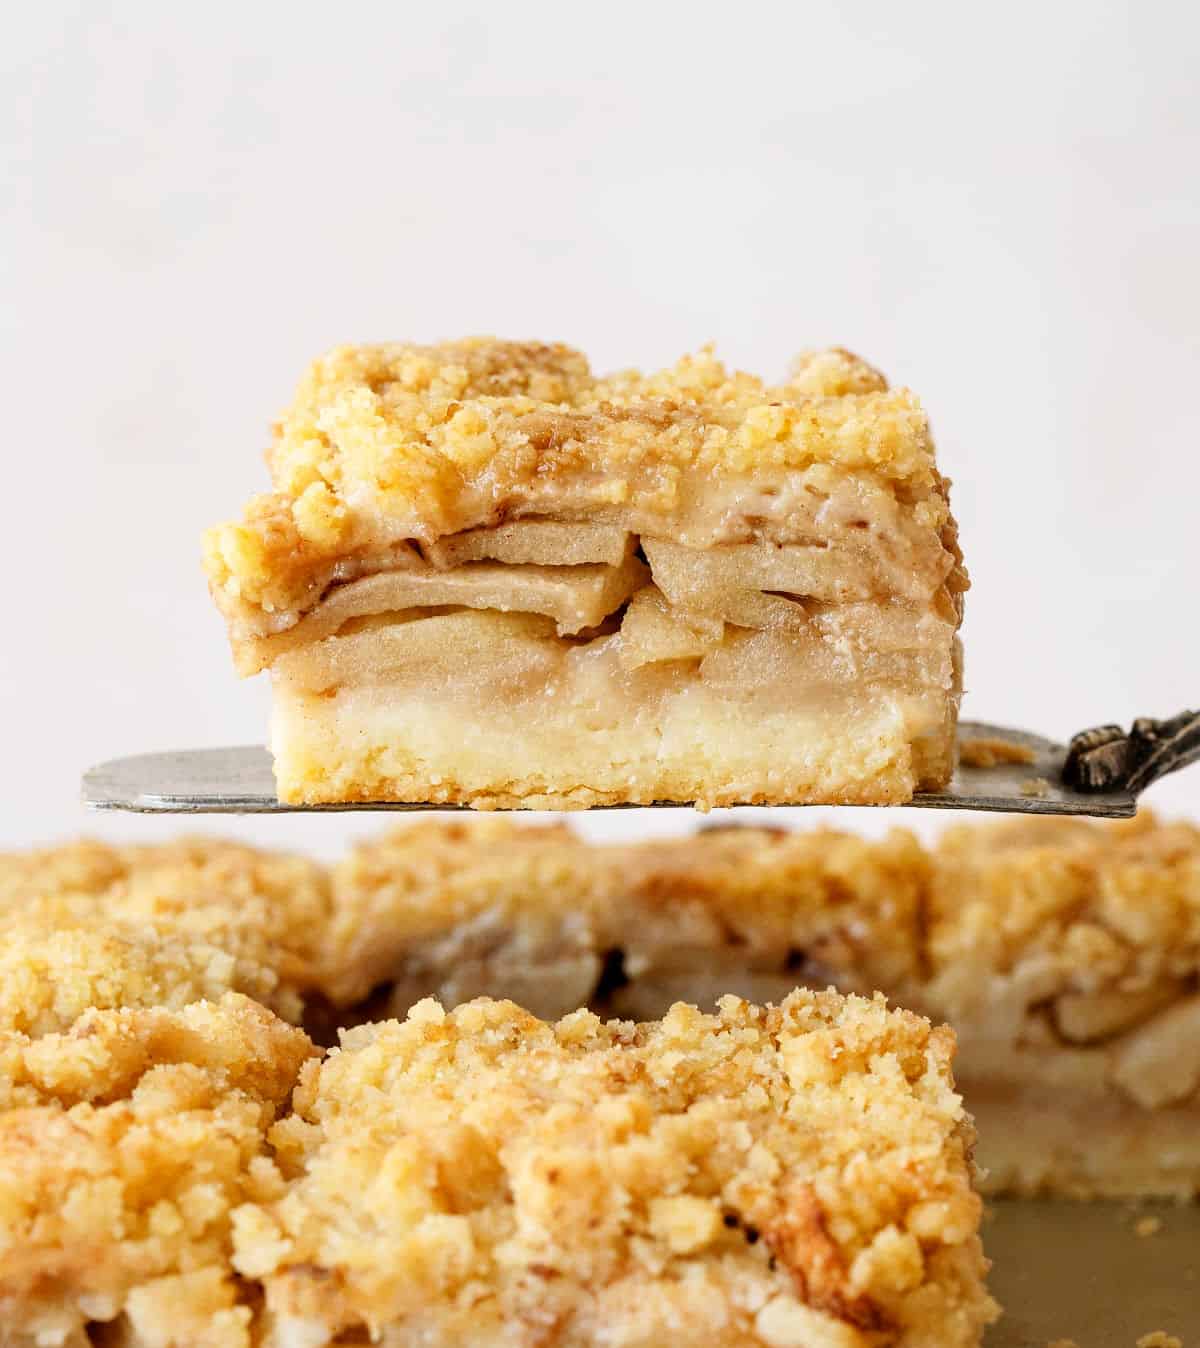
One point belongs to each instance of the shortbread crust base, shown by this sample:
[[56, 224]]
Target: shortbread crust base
[[694, 746]]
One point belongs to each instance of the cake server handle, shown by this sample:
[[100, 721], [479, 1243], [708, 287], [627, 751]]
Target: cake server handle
[[1107, 758]]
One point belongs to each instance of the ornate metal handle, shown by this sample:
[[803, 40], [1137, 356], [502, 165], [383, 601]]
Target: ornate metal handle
[[1108, 759]]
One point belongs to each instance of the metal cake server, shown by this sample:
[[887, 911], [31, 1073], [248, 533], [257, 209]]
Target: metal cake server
[[1100, 772]]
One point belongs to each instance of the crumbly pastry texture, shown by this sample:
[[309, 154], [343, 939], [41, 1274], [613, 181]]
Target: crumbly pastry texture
[[265, 909], [180, 1166], [686, 585], [130, 1131], [1066, 954], [796, 1176]]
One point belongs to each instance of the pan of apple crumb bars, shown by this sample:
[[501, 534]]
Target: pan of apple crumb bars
[[472, 1076]]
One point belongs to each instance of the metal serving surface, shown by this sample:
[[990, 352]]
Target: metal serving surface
[[1080, 1271], [240, 781]]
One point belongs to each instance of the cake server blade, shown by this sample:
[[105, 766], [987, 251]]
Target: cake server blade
[[1001, 769]]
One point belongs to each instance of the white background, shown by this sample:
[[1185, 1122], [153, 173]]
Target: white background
[[1000, 206]]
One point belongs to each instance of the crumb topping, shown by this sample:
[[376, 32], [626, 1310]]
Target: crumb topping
[[1102, 904], [833, 896], [265, 909], [1046, 942], [815, 1151], [395, 441], [50, 976], [1105, 902], [755, 1174], [177, 1161], [129, 1132]]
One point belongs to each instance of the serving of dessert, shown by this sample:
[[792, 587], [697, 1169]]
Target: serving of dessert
[[484, 575]]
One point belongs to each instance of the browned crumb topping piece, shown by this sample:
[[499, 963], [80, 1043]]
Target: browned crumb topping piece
[[1116, 899], [804, 1165], [128, 1135], [264, 909]]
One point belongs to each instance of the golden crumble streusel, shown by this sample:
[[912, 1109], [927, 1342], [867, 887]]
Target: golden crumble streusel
[[1100, 903], [397, 441], [1105, 902], [266, 908], [1066, 954], [462, 1175], [129, 1133], [795, 1175], [51, 974]]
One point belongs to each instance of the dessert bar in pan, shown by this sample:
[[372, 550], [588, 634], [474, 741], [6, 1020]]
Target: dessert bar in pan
[[485, 576], [1066, 955], [180, 1165], [797, 1175]]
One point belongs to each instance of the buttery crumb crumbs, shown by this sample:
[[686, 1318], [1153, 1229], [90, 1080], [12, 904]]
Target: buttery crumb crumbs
[[784, 1176], [1100, 900], [264, 911], [134, 1059], [992, 751], [130, 1130]]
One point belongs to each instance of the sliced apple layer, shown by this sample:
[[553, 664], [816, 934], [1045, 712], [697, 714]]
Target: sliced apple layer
[[576, 597]]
